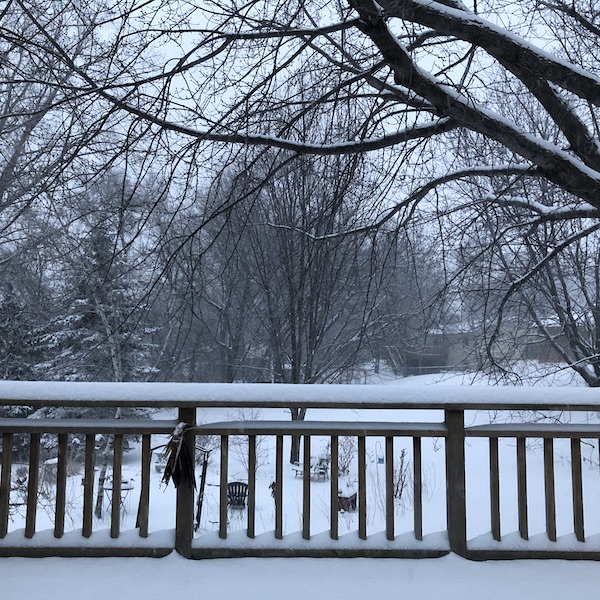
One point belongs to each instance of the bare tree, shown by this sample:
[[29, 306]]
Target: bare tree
[[540, 292], [563, 300], [524, 283], [411, 71], [41, 135]]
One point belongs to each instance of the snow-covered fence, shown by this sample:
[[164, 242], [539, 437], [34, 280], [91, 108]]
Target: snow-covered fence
[[209, 546], [453, 402], [83, 544]]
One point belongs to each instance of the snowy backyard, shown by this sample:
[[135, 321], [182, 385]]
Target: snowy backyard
[[299, 299]]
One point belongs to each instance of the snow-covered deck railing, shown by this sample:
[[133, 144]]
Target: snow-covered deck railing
[[450, 401]]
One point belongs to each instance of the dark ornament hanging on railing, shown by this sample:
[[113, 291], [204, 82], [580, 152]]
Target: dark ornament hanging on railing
[[180, 464]]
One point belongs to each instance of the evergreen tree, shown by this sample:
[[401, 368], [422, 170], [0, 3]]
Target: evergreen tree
[[17, 353], [98, 332]]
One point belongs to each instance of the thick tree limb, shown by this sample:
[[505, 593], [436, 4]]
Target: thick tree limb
[[496, 41], [555, 164]]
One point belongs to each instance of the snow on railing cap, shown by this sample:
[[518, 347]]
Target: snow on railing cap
[[401, 394]]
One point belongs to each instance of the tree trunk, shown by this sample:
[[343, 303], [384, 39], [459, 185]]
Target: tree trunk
[[103, 469], [298, 414], [102, 477]]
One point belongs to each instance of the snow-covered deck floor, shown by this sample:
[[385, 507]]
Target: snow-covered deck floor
[[449, 578]]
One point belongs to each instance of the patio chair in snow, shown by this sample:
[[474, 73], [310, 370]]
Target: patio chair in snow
[[321, 469], [237, 492]]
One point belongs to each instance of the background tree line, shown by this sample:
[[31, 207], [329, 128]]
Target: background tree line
[[266, 292]]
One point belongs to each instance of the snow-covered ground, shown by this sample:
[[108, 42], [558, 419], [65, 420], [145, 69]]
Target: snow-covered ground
[[172, 577]]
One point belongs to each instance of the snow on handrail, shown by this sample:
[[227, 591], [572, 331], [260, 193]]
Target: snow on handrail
[[403, 395]]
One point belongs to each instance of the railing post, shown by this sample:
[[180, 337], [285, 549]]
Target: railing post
[[144, 506], [417, 489], [577, 486], [389, 488], [495, 489], [279, 487], [306, 489], [455, 481], [117, 480], [251, 486], [522, 488], [549, 489], [61, 486], [362, 487], [184, 518], [88, 485]]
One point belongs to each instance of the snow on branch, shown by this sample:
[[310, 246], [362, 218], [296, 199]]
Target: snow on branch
[[556, 164], [548, 213], [496, 41], [274, 32]]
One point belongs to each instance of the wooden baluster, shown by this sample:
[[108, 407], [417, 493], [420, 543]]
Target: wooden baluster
[[32, 486], [389, 488], [144, 506], [417, 489], [577, 482], [115, 522], [306, 490], [223, 500], [334, 533], [494, 489], [549, 489], [251, 486], [61, 486], [88, 485], [7, 441], [362, 488], [522, 487], [279, 487]]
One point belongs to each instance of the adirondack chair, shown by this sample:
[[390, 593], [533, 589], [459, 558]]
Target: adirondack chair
[[237, 492]]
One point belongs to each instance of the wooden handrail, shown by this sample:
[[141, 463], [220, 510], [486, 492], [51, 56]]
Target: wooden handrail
[[104, 426], [323, 428], [535, 430]]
